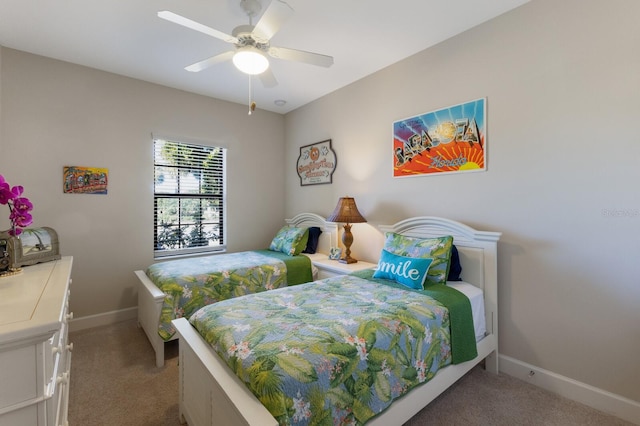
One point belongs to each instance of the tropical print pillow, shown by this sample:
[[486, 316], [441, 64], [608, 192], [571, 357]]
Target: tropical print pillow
[[289, 240], [438, 249]]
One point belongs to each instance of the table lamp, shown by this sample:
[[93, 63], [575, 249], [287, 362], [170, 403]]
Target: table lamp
[[346, 212]]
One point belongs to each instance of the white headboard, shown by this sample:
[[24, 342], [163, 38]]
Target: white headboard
[[478, 253], [329, 236]]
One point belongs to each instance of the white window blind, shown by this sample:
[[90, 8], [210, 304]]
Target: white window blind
[[189, 198]]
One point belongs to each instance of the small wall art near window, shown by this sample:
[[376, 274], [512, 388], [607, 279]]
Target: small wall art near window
[[448, 140], [316, 163], [84, 180]]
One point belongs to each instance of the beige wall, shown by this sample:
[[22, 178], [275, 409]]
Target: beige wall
[[56, 114], [562, 84]]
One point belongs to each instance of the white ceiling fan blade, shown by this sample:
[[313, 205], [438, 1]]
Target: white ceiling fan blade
[[186, 22], [199, 66], [268, 79], [301, 56], [272, 19]]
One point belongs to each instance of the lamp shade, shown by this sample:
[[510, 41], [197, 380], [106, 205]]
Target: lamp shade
[[346, 212], [250, 60]]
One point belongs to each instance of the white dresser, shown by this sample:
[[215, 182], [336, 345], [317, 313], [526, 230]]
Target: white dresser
[[35, 357]]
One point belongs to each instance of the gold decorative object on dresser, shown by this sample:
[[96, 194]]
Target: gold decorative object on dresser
[[34, 351], [34, 245]]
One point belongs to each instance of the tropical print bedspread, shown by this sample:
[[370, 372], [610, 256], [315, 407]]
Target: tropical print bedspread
[[336, 351], [190, 284]]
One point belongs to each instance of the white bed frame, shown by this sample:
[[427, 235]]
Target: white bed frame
[[151, 298], [211, 394]]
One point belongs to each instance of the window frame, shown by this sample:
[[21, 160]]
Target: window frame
[[222, 199]]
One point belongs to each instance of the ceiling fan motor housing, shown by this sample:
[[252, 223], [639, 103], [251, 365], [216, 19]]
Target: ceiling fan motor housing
[[246, 38]]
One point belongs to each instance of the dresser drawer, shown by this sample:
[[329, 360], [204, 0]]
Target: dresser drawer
[[57, 405], [25, 416], [63, 402], [58, 388], [52, 363], [56, 358], [18, 375]]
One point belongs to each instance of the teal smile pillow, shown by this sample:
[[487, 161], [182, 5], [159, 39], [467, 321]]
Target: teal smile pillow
[[439, 249], [408, 271]]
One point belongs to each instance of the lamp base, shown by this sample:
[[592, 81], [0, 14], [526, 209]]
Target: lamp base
[[347, 240]]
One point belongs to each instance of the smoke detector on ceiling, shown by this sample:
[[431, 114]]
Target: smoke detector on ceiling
[[251, 7]]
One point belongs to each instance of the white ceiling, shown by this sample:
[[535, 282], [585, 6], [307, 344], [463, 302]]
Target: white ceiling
[[126, 37]]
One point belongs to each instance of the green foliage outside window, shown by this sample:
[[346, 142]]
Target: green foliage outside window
[[188, 197]]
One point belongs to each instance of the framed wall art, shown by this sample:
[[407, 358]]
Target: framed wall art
[[84, 180], [448, 140], [316, 163]]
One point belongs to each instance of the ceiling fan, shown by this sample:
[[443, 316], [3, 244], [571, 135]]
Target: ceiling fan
[[252, 43]]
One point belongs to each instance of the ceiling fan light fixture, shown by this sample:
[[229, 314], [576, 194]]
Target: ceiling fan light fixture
[[250, 60]]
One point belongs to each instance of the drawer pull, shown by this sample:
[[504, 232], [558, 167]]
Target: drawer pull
[[63, 378], [69, 316], [70, 347], [56, 350]]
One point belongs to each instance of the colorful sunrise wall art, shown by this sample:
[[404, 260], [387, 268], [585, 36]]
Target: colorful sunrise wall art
[[449, 140]]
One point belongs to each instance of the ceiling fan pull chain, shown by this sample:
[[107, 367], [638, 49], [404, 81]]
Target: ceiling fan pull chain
[[250, 95], [252, 104]]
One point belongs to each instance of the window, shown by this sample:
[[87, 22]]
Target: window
[[189, 198]]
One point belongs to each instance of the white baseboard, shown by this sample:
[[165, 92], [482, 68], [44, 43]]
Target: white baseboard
[[583, 393], [106, 318]]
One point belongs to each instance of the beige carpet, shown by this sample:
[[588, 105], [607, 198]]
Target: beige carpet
[[114, 381]]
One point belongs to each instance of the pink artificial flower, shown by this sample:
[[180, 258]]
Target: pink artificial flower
[[19, 207], [15, 232], [5, 191], [17, 191], [21, 219], [22, 204]]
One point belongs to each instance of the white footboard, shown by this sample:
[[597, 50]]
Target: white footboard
[[150, 299], [209, 392]]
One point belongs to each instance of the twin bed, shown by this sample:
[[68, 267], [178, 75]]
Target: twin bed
[[350, 349], [166, 291]]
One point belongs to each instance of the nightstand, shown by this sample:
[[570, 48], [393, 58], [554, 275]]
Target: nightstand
[[331, 268]]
